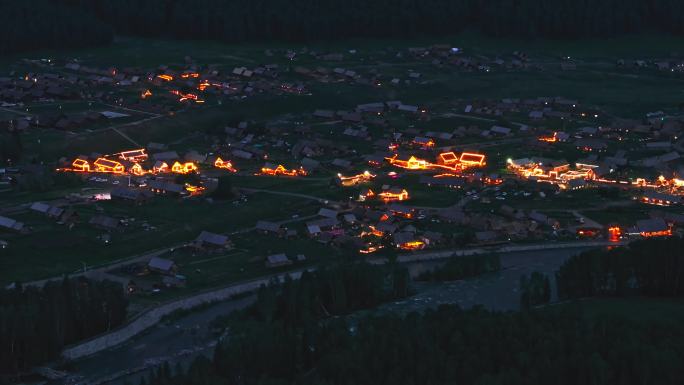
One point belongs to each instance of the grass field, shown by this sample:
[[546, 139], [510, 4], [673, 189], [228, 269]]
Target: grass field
[[52, 249]]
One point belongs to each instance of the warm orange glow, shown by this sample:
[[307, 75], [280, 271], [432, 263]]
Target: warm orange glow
[[203, 85], [183, 168], [559, 175], [108, 166], [614, 233], [80, 165], [649, 234], [365, 195], [389, 196], [146, 94], [372, 231], [194, 190], [168, 78], [549, 139], [447, 158], [472, 159], [281, 170], [445, 161], [138, 155], [224, 164], [190, 75], [185, 97], [162, 168], [414, 245], [492, 181], [354, 180], [412, 163], [137, 170], [429, 143]]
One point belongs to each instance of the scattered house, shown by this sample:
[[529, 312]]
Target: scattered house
[[486, 237], [131, 195], [166, 156], [162, 266], [268, 227], [277, 260], [164, 187], [655, 227], [50, 211], [660, 199], [500, 130], [208, 240], [11, 224], [104, 222], [328, 213]]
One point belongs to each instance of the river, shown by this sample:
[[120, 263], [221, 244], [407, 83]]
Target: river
[[183, 338]]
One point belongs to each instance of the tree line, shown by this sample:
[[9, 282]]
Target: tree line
[[70, 23], [36, 323], [42, 24], [446, 346], [457, 268], [301, 20], [653, 267]]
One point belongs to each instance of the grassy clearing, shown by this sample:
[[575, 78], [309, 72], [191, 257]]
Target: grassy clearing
[[51, 249]]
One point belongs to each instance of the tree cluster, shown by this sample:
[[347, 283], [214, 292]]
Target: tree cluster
[[463, 267], [653, 267], [447, 346], [42, 24], [36, 323], [535, 290]]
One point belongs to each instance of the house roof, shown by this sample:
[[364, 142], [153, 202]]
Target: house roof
[[323, 222], [125, 193], [403, 237], [168, 155], [161, 264], [212, 238], [268, 226], [328, 213], [11, 224], [277, 259], [40, 207], [165, 186], [104, 221], [651, 225]]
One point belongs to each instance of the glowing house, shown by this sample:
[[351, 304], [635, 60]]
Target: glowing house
[[447, 159], [81, 165], [660, 199], [183, 168], [269, 169], [412, 163], [137, 170], [160, 167], [407, 241], [614, 233], [394, 194], [472, 160], [138, 155], [656, 227], [108, 166], [224, 164], [354, 180]]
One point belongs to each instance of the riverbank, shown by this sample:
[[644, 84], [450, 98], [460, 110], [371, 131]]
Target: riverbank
[[152, 316]]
